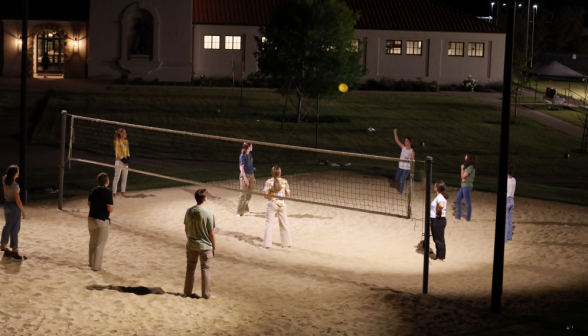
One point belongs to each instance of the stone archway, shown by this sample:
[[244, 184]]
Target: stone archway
[[140, 61]]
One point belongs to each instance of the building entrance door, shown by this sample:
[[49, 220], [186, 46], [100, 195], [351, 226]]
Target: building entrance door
[[52, 44]]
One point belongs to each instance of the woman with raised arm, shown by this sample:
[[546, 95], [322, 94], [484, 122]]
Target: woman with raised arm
[[13, 212], [407, 153], [123, 157], [438, 220], [276, 186], [468, 173], [246, 179]]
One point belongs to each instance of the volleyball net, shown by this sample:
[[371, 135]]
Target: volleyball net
[[317, 176]]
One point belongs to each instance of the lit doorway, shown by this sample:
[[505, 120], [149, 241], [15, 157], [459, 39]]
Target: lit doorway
[[52, 44]]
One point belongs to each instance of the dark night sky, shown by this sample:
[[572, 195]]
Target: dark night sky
[[483, 8]]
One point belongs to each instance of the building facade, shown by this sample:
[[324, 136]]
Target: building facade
[[153, 39]]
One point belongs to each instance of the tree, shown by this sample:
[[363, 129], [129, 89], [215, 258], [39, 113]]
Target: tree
[[309, 46]]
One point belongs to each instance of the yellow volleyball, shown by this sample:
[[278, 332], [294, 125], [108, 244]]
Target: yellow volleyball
[[343, 87]]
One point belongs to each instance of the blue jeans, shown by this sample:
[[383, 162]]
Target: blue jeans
[[12, 228], [401, 175], [464, 193], [509, 211]]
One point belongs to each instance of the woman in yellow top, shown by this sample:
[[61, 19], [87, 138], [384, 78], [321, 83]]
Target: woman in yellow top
[[123, 156], [276, 186]]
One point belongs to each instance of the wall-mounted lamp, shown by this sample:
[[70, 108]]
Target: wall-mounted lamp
[[76, 45], [50, 34], [19, 42]]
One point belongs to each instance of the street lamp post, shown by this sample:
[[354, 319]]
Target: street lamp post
[[492, 4], [533, 33], [527, 36]]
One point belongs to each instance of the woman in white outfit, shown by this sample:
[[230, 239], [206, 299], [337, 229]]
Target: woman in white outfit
[[276, 186], [407, 153], [438, 220], [121, 165]]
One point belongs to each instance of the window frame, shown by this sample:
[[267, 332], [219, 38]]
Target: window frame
[[212, 43], [233, 42], [413, 48], [455, 49], [390, 50], [476, 44]]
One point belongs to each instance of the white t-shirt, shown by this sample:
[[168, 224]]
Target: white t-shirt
[[511, 185], [406, 154], [435, 203]]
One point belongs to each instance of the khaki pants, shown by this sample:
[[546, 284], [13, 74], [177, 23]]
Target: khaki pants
[[120, 167], [98, 237], [245, 194], [205, 265], [270, 217]]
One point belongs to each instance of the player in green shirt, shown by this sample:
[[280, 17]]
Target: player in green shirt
[[199, 226]]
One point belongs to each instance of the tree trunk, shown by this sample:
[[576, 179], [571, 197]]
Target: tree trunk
[[298, 116]]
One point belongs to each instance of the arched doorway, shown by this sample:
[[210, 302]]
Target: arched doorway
[[53, 44]]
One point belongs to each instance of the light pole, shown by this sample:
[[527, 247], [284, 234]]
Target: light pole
[[527, 36], [533, 33], [492, 4]]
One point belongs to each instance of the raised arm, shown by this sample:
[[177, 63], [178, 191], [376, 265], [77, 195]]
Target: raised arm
[[396, 138]]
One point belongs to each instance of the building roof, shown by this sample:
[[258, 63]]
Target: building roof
[[558, 72], [414, 15], [54, 10]]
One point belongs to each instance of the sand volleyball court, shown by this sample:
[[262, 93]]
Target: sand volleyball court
[[349, 273]]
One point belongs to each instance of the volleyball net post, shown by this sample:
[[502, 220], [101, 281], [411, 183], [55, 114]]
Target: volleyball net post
[[62, 161], [428, 183]]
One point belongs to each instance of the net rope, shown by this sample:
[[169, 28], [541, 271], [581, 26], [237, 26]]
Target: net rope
[[326, 177]]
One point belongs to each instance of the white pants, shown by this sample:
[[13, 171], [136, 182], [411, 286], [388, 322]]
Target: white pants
[[270, 217], [118, 167]]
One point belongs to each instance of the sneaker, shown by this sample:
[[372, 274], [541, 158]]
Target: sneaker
[[248, 214], [238, 215], [18, 257]]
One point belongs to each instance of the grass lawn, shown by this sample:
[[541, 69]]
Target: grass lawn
[[449, 127], [574, 115]]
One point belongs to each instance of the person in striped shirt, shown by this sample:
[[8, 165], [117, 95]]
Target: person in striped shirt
[[276, 186]]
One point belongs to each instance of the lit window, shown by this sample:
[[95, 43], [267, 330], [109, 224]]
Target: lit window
[[455, 49], [211, 42], [414, 47], [394, 47], [476, 49], [355, 44], [232, 42]]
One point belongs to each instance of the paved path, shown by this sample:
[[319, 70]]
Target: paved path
[[540, 117]]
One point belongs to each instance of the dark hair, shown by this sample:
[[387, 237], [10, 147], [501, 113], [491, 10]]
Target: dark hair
[[118, 135], [8, 179], [200, 195], [440, 185], [511, 169], [409, 140], [102, 179], [471, 161], [245, 147]]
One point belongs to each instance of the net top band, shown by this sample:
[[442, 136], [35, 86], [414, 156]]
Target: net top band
[[308, 149]]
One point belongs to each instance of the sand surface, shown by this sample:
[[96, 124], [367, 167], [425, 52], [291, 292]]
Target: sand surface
[[349, 273]]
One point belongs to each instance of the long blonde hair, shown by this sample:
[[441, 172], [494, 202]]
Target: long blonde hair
[[118, 135], [276, 173]]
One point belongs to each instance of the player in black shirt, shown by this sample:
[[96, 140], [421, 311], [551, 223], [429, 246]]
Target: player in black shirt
[[101, 205]]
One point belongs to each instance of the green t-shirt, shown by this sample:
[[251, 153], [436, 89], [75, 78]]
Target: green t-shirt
[[199, 221], [470, 179]]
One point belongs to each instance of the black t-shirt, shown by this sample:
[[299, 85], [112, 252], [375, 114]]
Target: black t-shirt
[[99, 198]]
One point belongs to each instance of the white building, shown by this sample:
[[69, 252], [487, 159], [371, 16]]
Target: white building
[[177, 40]]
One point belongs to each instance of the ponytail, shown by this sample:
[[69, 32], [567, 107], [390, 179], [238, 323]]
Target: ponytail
[[276, 173], [440, 186], [245, 147]]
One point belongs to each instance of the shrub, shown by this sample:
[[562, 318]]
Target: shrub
[[389, 84]]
